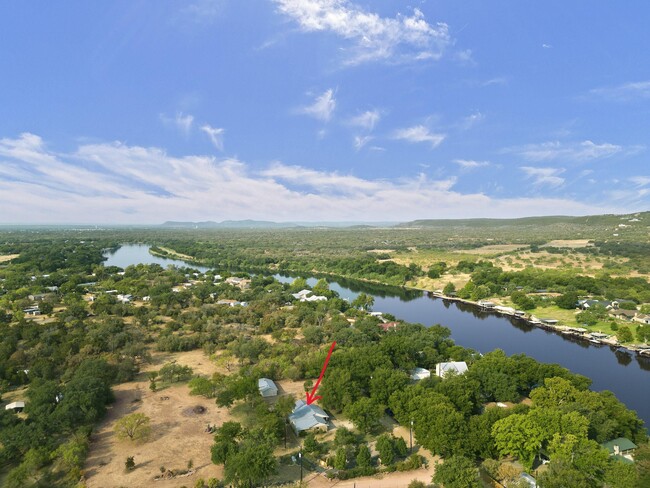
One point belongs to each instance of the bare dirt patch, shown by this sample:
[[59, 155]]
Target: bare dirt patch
[[178, 423], [382, 251], [8, 257], [570, 243], [493, 249]]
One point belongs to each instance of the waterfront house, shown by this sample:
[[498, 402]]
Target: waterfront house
[[642, 319], [420, 373], [308, 417], [486, 304], [623, 314], [454, 367], [267, 387], [621, 447]]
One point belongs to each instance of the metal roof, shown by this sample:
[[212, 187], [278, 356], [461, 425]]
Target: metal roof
[[304, 416]]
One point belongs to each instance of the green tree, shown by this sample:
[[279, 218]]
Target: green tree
[[568, 300], [364, 458], [363, 302], [365, 414], [134, 426], [457, 472], [385, 449], [340, 458], [202, 386], [518, 435], [251, 464], [624, 334], [449, 289]]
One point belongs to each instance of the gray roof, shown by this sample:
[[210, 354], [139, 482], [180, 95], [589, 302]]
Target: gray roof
[[458, 367], [304, 416], [266, 384]]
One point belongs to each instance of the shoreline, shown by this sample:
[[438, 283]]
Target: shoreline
[[530, 319]]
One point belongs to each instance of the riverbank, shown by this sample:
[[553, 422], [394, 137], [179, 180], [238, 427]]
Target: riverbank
[[549, 323]]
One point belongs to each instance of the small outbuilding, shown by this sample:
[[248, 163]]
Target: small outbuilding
[[420, 373], [16, 406], [267, 387], [454, 367]]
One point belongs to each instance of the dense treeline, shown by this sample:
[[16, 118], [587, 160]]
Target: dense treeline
[[495, 281]]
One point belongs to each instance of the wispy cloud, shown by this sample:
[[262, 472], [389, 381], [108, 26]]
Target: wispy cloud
[[419, 133], [499, 80], [571, 152], [469, 164], [118, 183], [322, 108], [360, 141], [640, 181], [180, 121], [639, 90], [544, 176], [203, 11], [366, 120], [372, 37], [215, 134], [471, 120]]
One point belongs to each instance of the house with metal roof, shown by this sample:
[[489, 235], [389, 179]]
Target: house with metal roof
[[455, 367], [621, 447], [267, 387], [308, 417]]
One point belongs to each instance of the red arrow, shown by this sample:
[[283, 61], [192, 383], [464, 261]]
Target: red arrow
[[311, 397]]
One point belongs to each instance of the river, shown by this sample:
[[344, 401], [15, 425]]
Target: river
[[626, 375]]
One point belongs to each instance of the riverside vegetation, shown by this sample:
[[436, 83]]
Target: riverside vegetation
[[64, 363]]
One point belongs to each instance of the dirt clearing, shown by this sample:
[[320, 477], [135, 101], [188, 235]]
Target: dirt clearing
[[8, 257], [178, 424]]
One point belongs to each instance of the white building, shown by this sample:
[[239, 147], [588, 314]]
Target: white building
[[443, 369], [420, 373], [267, 387]]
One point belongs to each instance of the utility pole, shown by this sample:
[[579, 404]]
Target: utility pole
[[411, 434], [300, 457]]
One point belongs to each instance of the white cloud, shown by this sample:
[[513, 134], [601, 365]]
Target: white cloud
[[117, 183], [360, 141], [215, 134], [577, 152], [367, 120], [544, 176], [547, 46], [373, 37], [471, 120], [640, 181], [322, 108], [182, 122], [624, 92], [470, 163], [419, 133]]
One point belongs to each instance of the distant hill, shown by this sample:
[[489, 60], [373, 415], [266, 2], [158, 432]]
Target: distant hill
[[265, 224], [590, 220], [228, 224]]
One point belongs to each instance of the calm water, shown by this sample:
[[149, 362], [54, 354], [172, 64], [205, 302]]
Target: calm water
[[626, 375]]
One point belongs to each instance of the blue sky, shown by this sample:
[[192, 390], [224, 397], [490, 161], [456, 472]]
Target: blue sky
[[322, 110]]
